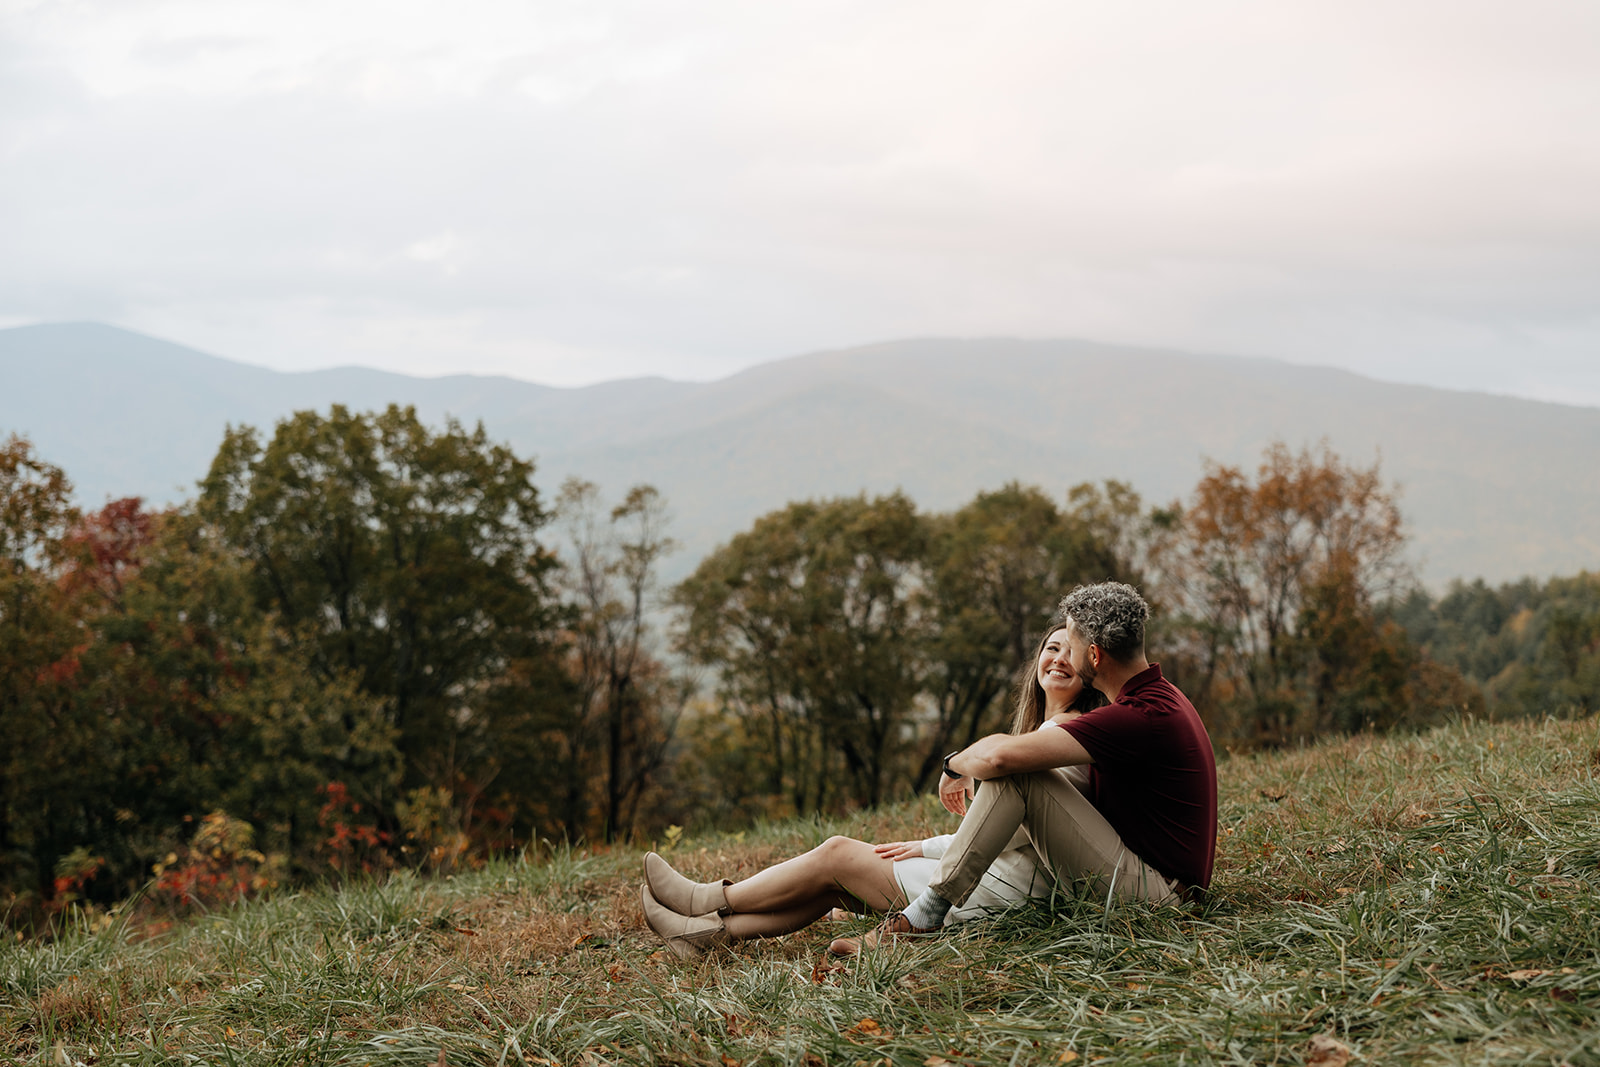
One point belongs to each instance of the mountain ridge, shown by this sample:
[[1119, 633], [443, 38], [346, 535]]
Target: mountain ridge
[[1491, 486]]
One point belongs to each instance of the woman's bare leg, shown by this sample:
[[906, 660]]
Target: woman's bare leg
[[741, 925], [838, 865]]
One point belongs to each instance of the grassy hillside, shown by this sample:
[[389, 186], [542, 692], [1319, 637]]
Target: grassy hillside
[[1431, 899]]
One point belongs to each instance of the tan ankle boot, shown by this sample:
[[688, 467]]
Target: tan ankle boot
[[688, 936], [679, 893]]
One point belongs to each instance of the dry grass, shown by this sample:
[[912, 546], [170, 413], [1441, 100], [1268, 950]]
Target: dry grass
[[1427, 899]]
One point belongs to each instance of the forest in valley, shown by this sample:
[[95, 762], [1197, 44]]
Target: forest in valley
[[369, 644]]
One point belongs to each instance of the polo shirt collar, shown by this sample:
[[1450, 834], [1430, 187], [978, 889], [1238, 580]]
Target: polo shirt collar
[[1150, 674]]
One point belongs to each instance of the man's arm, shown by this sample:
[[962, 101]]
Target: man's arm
[[998, 755]]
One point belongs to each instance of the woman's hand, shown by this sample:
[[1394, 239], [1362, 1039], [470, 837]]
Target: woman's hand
[[899, 850], [953, 793]]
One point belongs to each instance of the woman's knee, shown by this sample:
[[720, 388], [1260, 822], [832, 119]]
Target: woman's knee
[[839, 847]]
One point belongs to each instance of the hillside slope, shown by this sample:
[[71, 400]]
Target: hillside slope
[[1492, 486]]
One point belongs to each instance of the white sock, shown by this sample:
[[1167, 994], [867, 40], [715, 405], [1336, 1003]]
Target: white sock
[[927, 912]]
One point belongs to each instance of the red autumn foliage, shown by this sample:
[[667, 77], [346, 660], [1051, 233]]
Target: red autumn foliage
[[106, 547], [218, 867], [350, 846]]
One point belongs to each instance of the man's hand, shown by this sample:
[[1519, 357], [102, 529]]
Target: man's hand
[[953, 793], [899, 850], [999, 755]]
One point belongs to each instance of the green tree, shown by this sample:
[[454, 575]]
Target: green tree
[[998, 567], [179, 697], [204, 702], [39, 645], [1532, 649], [811, 619], [412, 557], [627, 704]]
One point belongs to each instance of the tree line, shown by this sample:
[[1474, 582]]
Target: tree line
[[1532, 648], [367, 643], [356, 648]]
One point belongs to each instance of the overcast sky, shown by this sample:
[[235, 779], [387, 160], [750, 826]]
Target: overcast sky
[[570, 192]]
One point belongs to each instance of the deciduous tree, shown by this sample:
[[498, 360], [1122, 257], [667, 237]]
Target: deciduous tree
[[811, 618], [1281, 574], [997, 568], [39, 646], [413, 557], [627, 703]]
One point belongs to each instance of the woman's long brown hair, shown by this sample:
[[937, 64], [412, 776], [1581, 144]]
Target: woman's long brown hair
[[1029, 713]]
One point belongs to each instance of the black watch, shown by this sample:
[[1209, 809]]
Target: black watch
[[947, 770]]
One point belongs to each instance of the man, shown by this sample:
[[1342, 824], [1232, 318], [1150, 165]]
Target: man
[[1144, 827]]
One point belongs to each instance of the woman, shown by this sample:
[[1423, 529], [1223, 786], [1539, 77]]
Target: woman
[[845, 873]]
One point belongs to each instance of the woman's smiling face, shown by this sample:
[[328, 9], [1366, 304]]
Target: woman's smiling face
[[1059, 681]]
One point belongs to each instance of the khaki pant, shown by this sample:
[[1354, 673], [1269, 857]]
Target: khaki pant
[[1073, 839]]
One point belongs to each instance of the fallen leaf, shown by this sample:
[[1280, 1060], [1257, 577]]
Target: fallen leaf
[[938, 1061], [230, 1031], [1067, 1056], [729, 1061], [1326, 1051], [824, 969], [1523, 976], [440, 1061], [1273, 795], [1341, 845], [865, 1027]]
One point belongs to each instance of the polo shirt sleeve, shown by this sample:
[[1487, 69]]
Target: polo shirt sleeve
[[1114, 735]]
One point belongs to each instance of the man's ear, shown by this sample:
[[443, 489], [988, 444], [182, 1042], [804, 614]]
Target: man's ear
[[1095, 653]]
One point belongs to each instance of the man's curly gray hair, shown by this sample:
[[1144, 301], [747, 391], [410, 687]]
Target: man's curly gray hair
[[1109, 614]]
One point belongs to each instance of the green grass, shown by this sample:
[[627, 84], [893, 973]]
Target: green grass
[[1429, 899]]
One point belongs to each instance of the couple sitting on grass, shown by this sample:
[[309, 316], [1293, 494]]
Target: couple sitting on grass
[[1121, 796]]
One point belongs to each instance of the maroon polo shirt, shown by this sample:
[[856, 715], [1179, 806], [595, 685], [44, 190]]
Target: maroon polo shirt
[[1154, 776]]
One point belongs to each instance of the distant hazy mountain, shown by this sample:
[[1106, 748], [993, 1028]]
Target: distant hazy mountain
[[1492, 486]]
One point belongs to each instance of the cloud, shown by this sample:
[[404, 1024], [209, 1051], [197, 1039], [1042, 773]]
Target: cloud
[[569, 192]]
